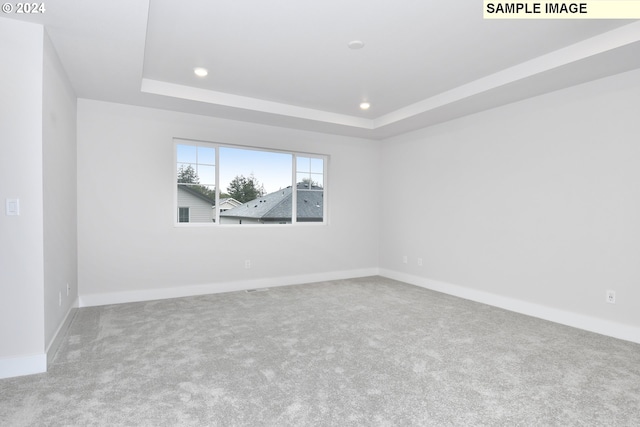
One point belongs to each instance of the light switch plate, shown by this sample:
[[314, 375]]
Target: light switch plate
[[13, 207]]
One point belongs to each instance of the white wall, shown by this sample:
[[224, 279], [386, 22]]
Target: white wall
[[129, 248], [534, 206], [59, 173], [21, 251]]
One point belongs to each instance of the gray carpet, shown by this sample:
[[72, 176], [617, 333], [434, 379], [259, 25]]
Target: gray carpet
[[361, 352]]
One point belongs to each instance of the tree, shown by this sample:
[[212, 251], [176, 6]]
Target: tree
[[309, 183], [187, 175], [244, 189]]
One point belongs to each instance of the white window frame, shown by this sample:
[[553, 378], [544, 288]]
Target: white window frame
[[294, 190]]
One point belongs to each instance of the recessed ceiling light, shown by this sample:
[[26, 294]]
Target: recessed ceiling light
[[364, 105], [355, 44], [200, 72]]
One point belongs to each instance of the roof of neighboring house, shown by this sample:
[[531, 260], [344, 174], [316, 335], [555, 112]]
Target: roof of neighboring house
[[199, 195], [277, 206], [229, 200]]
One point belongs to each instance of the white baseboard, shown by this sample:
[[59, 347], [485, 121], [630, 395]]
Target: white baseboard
[[23, 365], [92, 300], [54, 344], [580, 321]]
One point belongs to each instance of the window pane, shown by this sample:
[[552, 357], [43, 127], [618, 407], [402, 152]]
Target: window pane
[[317, 165], [303, 179], [188, 174], [302, 164], [198, 203], [186, 153], [317, 180], [260, 182], [207, 174]]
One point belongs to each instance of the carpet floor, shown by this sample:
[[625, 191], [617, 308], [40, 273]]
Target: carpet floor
[[360, 352]]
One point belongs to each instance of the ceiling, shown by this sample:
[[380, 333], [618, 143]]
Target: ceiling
[[287, 63]]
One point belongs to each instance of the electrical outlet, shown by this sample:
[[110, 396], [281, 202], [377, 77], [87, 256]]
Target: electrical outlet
[[247, 264], [420, 262], [68, 289], [13, 206], [405, 260], [611, 297]]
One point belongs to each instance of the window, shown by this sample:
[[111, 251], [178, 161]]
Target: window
[[221, 184], [196, 182], [183, 214], [310, 189]]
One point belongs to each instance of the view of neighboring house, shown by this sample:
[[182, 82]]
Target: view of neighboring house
[[193, 206], [275, 208], [228, 203]]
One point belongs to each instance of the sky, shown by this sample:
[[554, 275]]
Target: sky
[[271, 169]]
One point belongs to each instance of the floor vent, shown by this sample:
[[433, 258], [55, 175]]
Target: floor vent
[[257, 290]]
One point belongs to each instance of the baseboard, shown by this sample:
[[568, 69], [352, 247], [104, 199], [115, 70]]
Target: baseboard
[[55, 342], [580, 321], [92, 300], [23, 365]]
